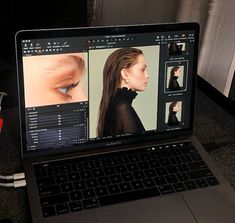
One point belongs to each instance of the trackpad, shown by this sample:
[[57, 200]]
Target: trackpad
[[164, 209]]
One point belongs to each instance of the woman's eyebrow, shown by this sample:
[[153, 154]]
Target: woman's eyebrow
[[66, 64]]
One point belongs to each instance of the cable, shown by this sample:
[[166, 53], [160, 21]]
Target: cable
[[16, 176], [15, 184], [18, 180]]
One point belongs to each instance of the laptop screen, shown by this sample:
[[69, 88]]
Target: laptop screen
[[89, 86]]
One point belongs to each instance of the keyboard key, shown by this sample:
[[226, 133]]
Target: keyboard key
[[86, 174], [186, 158], [160, 180], [132, 167], [104, 181], [165, 162], [179, 187], [75, 206], [100, 163], [123, 159], [137, 185], [66, 187], [77, 195], [166, 189], [98, 173], [88, 193], [62, 208], [212, 181], [127, 177], [172, 169], [101, 191], [154, 163], [65, 169], [161, 171], [48, 211], [171, 179], [183, 167], [54, 199], [188, 150], [61, 179], [197, 165], [109, 171], [133, 158], [113, 189], [175, 160], [92, 183], [125, 187], [52, 171], [138, 175], [90, 203], [150, 173], [182, 176], [115, 179], [79, 185], [73, 176], [112, 161], [155, 155], [121, 169], [77, 167], [89, 165], [45, 181], [176, 151], [143, 165], [149, 182], [190, 185], [144, 156], [40, 172], [165, 152], [195, 157], [49, 190], [200, 173], [201, 183]]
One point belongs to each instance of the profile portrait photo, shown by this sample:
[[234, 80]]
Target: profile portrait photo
[[173, 113], [176, 76], [176, 48], [122, 84], [55, 79]]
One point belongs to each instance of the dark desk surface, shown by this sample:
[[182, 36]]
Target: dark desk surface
[[214, 127]]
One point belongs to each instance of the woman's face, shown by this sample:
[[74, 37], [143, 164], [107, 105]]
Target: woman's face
[[177, 73], [176, 108], [137, 75], [53, 79]]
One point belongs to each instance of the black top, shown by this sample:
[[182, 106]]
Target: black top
[[121, 117], [173, 120], [174, 85]]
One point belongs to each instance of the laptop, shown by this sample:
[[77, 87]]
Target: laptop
[[106, 120]]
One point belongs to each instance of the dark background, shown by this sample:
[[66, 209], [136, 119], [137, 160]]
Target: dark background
[[18, 15], [214, 126]]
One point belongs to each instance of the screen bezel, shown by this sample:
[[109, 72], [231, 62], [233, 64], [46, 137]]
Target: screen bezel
[[93, 31]]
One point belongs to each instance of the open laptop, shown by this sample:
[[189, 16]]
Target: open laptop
[[76, 172]]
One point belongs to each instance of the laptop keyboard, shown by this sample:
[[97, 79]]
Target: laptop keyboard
[[76, 184]]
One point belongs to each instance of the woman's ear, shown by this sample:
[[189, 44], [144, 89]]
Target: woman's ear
[[124, 74]]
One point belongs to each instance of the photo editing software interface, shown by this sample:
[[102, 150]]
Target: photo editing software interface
[[63, 85]]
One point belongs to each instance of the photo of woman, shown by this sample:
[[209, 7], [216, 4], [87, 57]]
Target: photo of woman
[[175, 73], [174, 107], [54, 79], [124, 74]]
